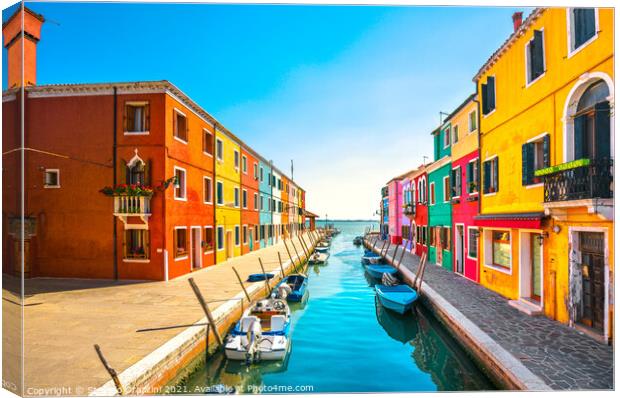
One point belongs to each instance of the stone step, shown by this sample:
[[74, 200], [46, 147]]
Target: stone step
[[526, 307]]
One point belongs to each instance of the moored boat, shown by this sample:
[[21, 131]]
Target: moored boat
[[397, 298], [262, 333], [358, 240], [321, 249], [292, 287], [259, 277], [377, 270], [318, 258]]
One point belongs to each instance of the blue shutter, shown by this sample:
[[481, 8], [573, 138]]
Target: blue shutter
[[602, 130], [487, 176], [491, 93], [580, 148], [485, 99], [525, 164], [536, 55]]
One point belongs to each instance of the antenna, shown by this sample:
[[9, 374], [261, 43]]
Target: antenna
[[292, 169]]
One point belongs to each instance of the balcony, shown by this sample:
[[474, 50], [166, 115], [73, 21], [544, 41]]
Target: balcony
[[409, 210], [583, 182], [127, 206]]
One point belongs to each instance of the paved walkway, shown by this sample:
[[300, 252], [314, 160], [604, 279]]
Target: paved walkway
[[561, 356], [64, 317]]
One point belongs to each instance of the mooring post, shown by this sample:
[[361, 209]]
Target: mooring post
[[111, 371], [382, 247], [296, 252], [289, 255], [307, 248], [400, 260], [281, 267], [386, 249], [247, 296], [260, 261], [206, 310], [394, 256]]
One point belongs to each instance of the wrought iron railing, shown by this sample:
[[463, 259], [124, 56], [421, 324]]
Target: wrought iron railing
[[583, 179]]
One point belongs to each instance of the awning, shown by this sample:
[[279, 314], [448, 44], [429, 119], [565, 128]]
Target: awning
[[510, 220]]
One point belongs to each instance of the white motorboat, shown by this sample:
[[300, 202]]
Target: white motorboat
[[318, 258], [262, 333]]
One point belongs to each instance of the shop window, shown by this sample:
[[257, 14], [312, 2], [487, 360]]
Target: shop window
[[501, 255]]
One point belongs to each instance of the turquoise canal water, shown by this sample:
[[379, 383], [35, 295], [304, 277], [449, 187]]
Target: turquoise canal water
[[344, 341]]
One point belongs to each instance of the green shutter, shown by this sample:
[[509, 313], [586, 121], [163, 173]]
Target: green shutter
[[487, 176], [147, 172], [496, 173], [527, 163], [491, 93], [580, 137], [602, 130], [485, 99], [122, 165], [546, 151]]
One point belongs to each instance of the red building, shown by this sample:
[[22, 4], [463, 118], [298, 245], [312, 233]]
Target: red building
[[249, 201], [420, 220]]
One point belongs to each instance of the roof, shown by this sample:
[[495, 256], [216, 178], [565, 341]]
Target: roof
[[534, 15], [26, 9], [310, 214], [153, 86], [460, 107]]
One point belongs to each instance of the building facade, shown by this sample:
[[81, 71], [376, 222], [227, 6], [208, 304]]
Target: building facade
[[250, 218], [395, 211], [420, 197]]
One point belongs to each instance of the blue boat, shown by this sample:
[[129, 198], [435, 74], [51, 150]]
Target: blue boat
[[377, 270], [371, 258], [259, 277], [322, 249], [296, 285], [397, 298]]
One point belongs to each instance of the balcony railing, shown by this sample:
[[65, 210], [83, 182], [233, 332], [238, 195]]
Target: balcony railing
[[580, 179], [132, 205], [409, 210]]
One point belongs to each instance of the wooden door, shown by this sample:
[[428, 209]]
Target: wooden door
[[592, 247]]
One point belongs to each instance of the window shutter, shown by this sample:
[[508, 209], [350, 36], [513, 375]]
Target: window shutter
[[147, 172], [491, 93], [122, 171], [602, 130], [536, 55], [485, 99], [126, 118], [580, 137], [174, 242], [174, 123], [546, 151], [527, 163], [147, 117], [584, 24], [487, 176], [496, 174]]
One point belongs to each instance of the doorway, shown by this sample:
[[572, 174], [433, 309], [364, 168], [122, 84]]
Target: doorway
[[229, 244], [530, 272], [251, 237], [536, 267], [592, 309], [196, 243], [460, 248]]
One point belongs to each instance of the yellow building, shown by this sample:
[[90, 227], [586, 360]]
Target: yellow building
[[546, 237], [227, 196]]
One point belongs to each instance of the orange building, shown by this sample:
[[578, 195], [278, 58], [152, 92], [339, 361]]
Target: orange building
[[249, 201]]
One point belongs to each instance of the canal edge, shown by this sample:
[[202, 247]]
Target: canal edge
[[505, 367], [160, 366]]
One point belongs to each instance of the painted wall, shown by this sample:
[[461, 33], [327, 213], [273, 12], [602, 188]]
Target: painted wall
[[440, 213], [285, 205], [250, 217], [277, 197], [395, 194], [265, 194], [421, 212]]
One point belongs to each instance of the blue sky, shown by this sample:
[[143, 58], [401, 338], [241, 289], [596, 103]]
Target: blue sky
[[351, 93]]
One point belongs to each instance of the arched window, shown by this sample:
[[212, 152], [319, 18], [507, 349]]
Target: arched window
[[591, 123]]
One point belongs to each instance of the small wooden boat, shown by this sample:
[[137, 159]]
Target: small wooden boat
[[371, 258], [377, 270], [292, 288], [318, 258], [402, 328], [397, 298], [358, 240], [259, 277], [262, 333], [321, 249]]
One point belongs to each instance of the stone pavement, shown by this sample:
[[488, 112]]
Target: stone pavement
[[63, 318], [562, 357]]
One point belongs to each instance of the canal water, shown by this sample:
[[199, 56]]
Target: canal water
[[344, 341]]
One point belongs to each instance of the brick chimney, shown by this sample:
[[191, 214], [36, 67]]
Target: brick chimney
[[18, 38], [517, 20]]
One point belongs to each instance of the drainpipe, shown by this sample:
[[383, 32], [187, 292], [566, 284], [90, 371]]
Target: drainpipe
[[114, 160], [215, 199]]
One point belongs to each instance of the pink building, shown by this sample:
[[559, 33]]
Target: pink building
[[395, 209]]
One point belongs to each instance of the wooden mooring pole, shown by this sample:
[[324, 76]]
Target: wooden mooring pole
[[296, 252], [281, 266], [400, 260], [260, 261], [206, 310], [247, 296], [290, 256], [111, 371]]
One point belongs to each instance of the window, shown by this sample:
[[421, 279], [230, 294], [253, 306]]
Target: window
[[208, 242], [262, 232], [446, 137], [472, 176], [255, 201], [236, 202], [432, 193], [491, 175], [534, 156], [582, 26], [262, 203], [535, 57], [591, 129], [219, 192], [455, 134], [473, 121], [488, 95], [256, 233], [446, 189], [237, 236], [421, 190], [261, 175], [457, 187], [220, 238], [207, 142], [245, 234], [472, 242], [52, 178], [244, 198], [244, 164], [219, 149], [208, 190], [179, 190], [180, 242], [444, 237], [237, 160], [270, 231], [136, 244], [501, 248], [179, 128], [135, 173], [136, 117], [255, 171]]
